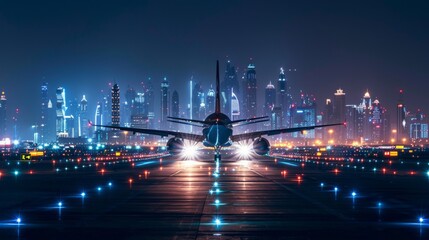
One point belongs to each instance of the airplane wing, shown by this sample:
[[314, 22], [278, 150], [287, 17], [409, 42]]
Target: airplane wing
[[162, 133], [188, 120], [249, 120], [258, 134]]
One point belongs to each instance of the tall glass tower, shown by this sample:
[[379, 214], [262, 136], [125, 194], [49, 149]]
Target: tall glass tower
[[116, 115], [165, 105], [249, 92]]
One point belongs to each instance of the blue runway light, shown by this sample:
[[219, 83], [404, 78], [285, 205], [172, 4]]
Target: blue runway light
[[421, 219], [335, 189], [16, 173], [217, 202], [211, 191], [379, 204], [60, 204], [353, 194], [110, 184], [83, 194], [321, 185], [18, 220], [217, 190], [217, 221], [99, 189], [215, 184]]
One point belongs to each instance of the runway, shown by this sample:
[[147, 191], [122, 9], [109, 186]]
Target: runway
[[164, 198]]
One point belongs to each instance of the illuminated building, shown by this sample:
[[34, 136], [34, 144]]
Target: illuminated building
[[230, 82], [197, 98], [249, 93], [270, 99], [72, 112], [61, 126], [210, 100], [367, 125], [175, 104], [3, 115], [83, 128], [165, 102], [352, 119], [401, 122], [304, 115], [380, 123], [128, 108], [44, 125], [150, 102], [418, 126], [235, 106], [276, 118], [339, 114], [116, 114], [327, 117], [284, 98]]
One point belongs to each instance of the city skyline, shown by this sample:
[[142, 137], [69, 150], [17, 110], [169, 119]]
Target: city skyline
[[82, 47]]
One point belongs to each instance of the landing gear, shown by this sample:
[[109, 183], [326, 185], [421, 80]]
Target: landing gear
[[217, 156]]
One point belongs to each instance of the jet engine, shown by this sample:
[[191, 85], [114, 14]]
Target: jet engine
[[175, 145], [261, 146]]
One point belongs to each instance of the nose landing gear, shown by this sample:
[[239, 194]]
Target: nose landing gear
[[217, 156]]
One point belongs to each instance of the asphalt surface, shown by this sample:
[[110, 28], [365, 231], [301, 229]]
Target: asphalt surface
[[263, 198]]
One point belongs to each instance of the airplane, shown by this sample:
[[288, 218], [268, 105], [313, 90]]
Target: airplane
[[217, 130]]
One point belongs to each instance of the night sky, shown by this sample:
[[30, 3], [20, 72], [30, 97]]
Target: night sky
[[355, 45]]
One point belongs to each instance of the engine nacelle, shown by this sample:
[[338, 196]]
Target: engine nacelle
[[261, 146], [175, 145]]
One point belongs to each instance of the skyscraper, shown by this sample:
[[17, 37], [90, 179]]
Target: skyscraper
[[197, 97], [210, 100], [165, 104], [270, 99], [61, 113], [367, 125], [283, 101], [116, 115], [3, 115], [83, 129], [130, 96], [340, 114], [150, 102], [249, 92], [44, 115], [401, 122], [230, 82], [175, 111], [235, 106]]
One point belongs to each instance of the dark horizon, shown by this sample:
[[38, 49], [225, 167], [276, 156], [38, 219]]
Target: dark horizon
[[82, 46]]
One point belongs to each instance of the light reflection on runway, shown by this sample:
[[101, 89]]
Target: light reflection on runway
[[263, 198]]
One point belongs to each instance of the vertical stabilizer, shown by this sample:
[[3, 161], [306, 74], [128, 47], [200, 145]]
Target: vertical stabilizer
[[217, 110]]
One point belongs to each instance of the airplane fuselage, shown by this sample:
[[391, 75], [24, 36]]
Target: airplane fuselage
[[218, 133]]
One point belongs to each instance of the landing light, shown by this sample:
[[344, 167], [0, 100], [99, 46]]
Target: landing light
[[190, 151], [244, 150]]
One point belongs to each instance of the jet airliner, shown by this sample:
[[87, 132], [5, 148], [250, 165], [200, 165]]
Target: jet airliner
[[217, 130]]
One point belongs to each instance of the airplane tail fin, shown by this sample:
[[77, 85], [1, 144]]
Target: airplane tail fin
[[217, 110]]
